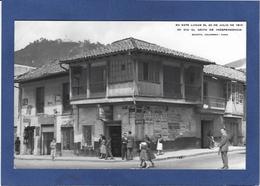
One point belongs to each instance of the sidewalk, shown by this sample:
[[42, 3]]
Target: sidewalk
[[167, 155]]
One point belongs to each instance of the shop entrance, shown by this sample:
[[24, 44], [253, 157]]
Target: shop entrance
[[114, 130], [115, 134], [206, 131], [47, 135], [47, 138], [29, 139], [232, 130], [67, 140]]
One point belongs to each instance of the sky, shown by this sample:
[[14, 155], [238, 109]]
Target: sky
[[220, 49]]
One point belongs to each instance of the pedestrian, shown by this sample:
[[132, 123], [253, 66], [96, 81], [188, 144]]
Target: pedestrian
[[99, 144], [53, 149], [159, 145], [17, 146], [124, 146], [150, 154], [223, 148], [108, 148], [211, 142], [130, 146], [143, 154], [103, 150]]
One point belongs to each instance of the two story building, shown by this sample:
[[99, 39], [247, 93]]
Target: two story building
[[129, 85], [45, 106], [224, 102]]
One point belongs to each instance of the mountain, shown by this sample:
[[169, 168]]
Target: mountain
[[238, 64], [43, 51]]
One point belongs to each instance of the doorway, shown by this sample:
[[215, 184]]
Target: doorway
[[47, 138], [232, 130], [115, 134], [67, 139], [206, 131]]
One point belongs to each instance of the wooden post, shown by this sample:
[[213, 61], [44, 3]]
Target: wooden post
[[202, 84], [88, 80], [70, 80], [107, 76], [182, 82], [161, 79]]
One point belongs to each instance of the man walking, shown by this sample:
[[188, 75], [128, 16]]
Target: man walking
[[223, 148], [130, 146]]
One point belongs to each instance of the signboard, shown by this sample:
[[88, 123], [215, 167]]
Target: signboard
[[105, 113]]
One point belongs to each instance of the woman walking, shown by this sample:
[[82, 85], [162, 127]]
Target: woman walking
[[143, 154], [150, 154], [103, 150], [108, 149]]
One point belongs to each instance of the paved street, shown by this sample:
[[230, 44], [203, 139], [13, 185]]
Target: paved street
[[208, 161]]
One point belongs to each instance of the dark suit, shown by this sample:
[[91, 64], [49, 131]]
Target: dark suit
[[130, 146], [223, 148]]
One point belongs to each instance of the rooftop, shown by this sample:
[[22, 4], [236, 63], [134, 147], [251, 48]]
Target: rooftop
[[132, 44], [47, 70], [225, 72]]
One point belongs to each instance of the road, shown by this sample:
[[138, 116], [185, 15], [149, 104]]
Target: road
[[209, 161]]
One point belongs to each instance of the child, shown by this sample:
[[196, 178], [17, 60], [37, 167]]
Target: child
[[159, 146]]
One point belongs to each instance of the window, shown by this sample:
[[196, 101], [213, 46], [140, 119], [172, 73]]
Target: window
[[66, 106], [145, 71], [205, 89], [40, 100], [120, 70], [148, 71], [87, 135], [78, 81], [97, 79]]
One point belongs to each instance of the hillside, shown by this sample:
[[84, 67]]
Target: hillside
[[238, 64], [43, 51]]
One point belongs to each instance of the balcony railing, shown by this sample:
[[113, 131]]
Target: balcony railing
[[172, 90], [78, 92], [214, 102], [193, 92], [98, 87]]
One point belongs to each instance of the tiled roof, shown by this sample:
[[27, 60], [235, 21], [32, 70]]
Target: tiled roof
[[49, 69], [132, 44], [224, 72]]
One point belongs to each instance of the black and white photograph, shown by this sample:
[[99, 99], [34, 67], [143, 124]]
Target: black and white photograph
[[130, 95]]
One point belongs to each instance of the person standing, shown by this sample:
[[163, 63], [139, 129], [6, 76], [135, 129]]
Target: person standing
[[103, 150], [223, 148], [159, 145], [99, 144], [53, 149], [130, 146], [108, 149], [17, 145], [124, 146]]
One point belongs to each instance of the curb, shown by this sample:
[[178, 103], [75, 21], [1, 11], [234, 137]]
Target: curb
[[193, 155], [157, 159]]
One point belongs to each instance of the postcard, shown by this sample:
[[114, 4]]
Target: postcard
[[107, 96]]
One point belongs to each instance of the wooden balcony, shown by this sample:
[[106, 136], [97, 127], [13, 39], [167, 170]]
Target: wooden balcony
[[193, 92], [79, 92], [172, 90], [214, 102], [97, 89]]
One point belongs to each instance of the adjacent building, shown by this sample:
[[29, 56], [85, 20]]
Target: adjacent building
[[18, 70], [129, 85]]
